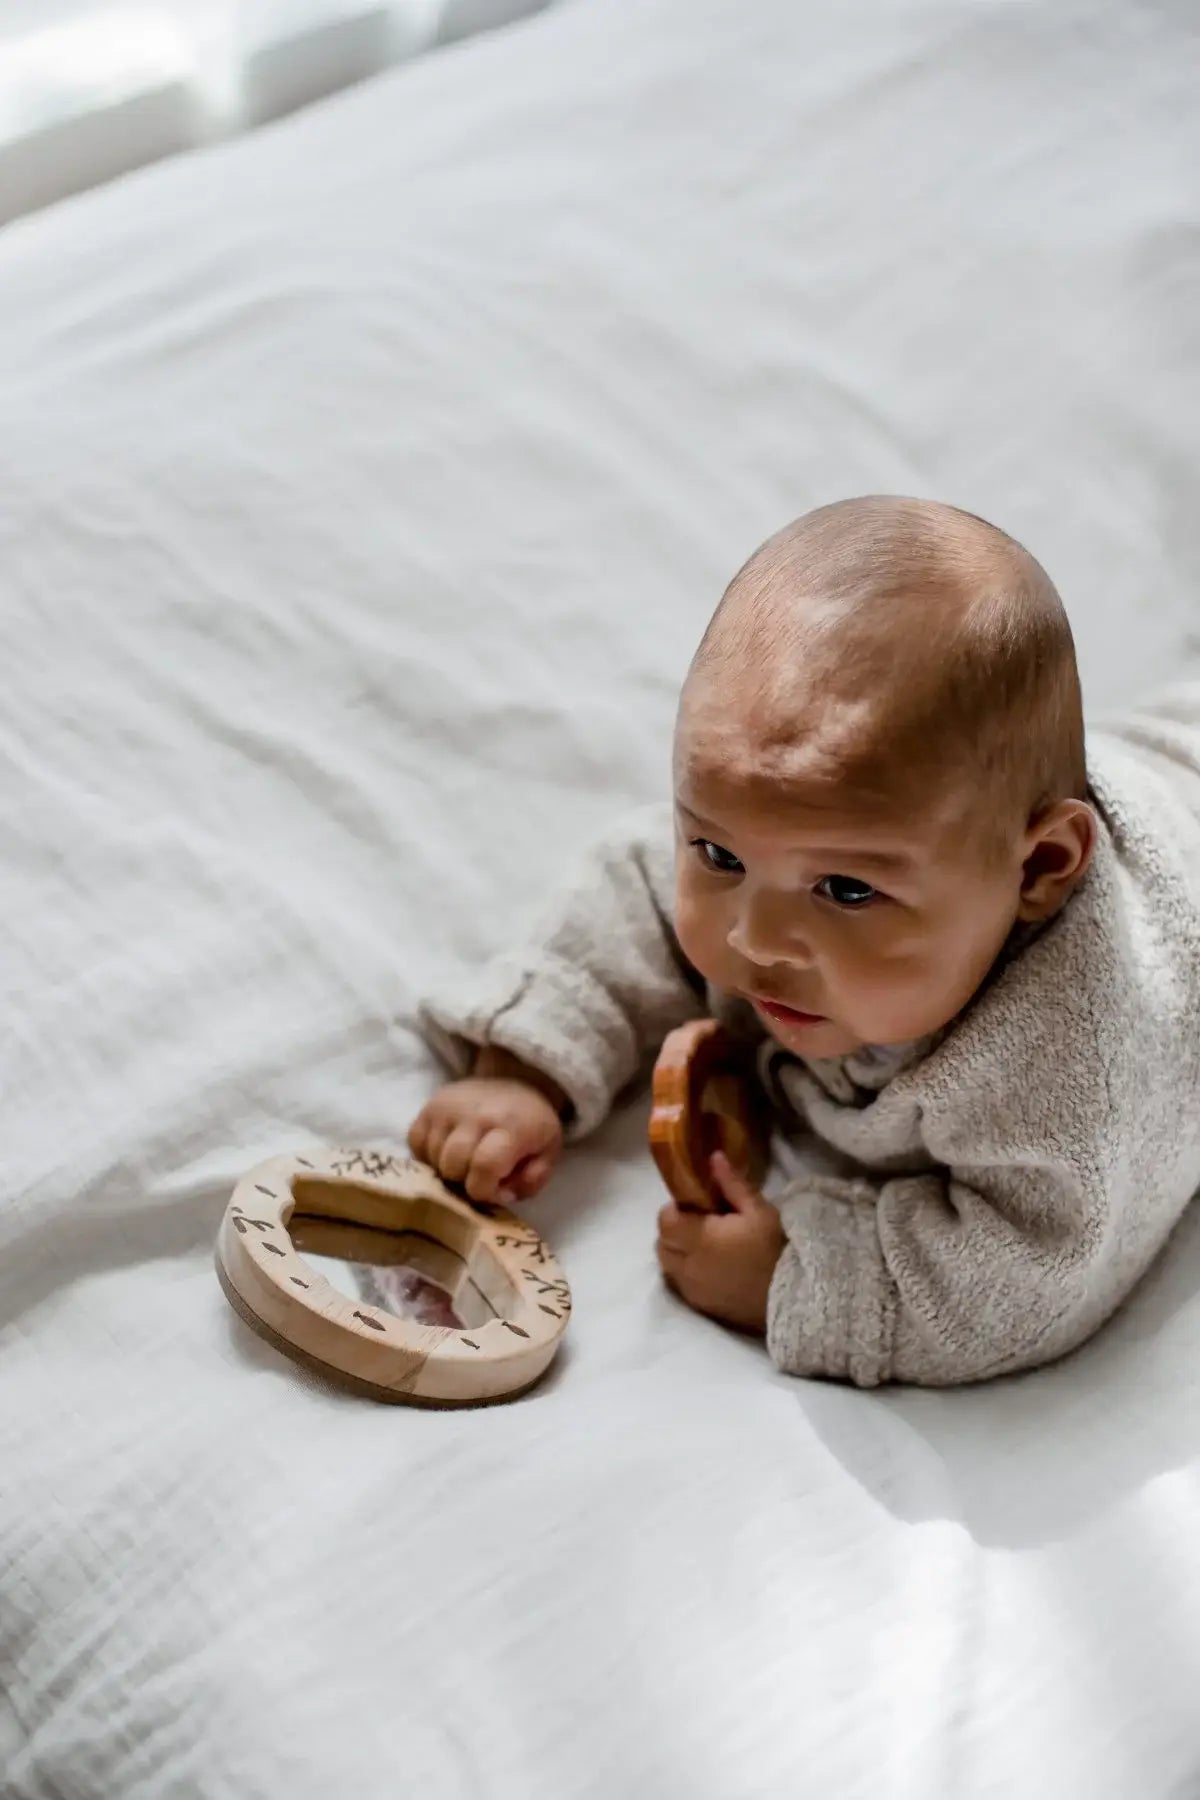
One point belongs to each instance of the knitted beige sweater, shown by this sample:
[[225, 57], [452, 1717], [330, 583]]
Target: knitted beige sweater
[[999, 1190]]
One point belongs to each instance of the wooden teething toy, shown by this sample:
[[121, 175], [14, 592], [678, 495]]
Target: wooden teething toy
[[502, 1282], [703, 1100]]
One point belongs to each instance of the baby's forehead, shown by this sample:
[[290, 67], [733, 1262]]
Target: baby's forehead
[[771, 726], [830, 763]]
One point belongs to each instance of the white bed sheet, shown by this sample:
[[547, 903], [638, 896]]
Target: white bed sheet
[[365, 486]]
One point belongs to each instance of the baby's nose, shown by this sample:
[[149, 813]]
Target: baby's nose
[[764, 957], [765, 935]]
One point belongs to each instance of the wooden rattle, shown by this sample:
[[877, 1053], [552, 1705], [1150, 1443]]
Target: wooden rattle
[[703, 1100], [502, 1284]]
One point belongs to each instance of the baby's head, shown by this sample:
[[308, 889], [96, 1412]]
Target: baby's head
[[879, 771]]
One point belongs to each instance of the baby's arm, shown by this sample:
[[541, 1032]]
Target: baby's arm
[[544, 1038], [932, 1279], [936, 1278], [1047, 1194]]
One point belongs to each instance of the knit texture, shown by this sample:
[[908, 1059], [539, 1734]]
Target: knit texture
[[1012, 1179]]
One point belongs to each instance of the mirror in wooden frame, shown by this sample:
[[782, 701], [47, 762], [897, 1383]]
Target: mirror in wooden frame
[[506, 1300]]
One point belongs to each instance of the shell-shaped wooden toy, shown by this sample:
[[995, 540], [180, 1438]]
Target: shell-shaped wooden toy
[[504, 1286], [705, 1099]]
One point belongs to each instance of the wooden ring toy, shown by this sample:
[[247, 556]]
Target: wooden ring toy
[[503, 1283], [705, 1099]]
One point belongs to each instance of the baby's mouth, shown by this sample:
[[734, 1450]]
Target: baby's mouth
[[787, 1015]]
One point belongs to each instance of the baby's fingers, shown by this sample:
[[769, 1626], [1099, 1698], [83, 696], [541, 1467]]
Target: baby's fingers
[[418, 1134], [493, 1160], [529, 1177], [740, 1192], [433, 1128], [456, 1155], [673, 1262], [679, 1230]]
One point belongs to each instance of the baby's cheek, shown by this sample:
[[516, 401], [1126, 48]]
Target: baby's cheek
[[700, 931], [903, 994], [881, 982]]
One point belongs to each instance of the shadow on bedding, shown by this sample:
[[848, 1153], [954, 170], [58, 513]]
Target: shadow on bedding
[[1029, 1459]]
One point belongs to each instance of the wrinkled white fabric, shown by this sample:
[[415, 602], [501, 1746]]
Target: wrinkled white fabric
[[365, 487]]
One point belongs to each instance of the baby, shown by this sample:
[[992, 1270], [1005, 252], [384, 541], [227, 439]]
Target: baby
[[971, 960]]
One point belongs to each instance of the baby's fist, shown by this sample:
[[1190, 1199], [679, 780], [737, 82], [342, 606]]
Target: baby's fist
[[496, 1134], [723, 1264]]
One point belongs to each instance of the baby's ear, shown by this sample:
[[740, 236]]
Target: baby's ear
[[1060, 845]]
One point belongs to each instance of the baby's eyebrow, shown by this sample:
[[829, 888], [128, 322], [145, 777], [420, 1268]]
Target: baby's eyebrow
[[879, 859], [695, 818], [887, 860]]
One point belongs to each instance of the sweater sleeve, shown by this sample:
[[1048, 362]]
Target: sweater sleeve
[[937, 1278], [602, 980]]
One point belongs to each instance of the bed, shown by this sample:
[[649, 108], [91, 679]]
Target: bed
[[366, 484]]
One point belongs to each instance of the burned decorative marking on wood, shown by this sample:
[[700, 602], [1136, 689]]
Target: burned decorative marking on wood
[[374, 1164], [550, 1310], [470, 1342], [236, 1209], [368, 1320], [260, 1189], [304, 1162], [528, 1241], [242, 1225], [517, 1330], [274, 1250], [557, 1289], [296, 1281]]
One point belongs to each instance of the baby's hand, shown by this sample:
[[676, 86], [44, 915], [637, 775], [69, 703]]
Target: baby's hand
[[723, 1263], [497, 1134]]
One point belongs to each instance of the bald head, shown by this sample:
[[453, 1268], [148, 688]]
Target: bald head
[[892, 643]]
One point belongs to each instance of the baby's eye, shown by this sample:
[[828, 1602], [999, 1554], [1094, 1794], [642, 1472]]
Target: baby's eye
[[722, 862], [846, 890]]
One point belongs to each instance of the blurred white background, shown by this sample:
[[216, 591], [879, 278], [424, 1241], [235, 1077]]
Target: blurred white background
[[90, 89]]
